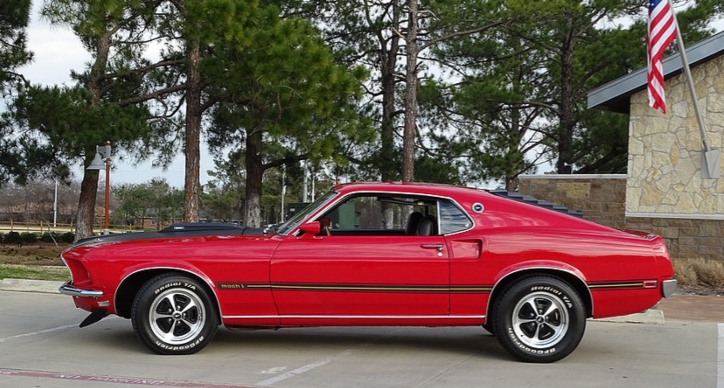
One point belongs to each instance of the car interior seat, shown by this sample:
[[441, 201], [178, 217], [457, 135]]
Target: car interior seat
[[412, 223], [427, 227]]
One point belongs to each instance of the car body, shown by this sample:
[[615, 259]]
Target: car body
[[377, 254]]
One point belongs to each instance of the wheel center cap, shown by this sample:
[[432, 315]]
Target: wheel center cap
[[540, 319], [177, 315]]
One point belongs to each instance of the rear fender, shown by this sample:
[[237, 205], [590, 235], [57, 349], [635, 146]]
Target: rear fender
[[564, 271]]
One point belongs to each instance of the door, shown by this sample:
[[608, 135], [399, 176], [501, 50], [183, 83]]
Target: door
[[370, 264], [361, 276]]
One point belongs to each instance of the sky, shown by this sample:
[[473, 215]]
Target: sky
[[56, 51]]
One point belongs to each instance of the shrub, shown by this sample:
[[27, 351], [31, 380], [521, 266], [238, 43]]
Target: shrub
[[13, 238], [699, 273], [685, 273], [67, 237], [49, 237], [2, 238], [29, 238], [710, 273]]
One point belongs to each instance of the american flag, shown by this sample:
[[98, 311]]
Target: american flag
[[661, 32]]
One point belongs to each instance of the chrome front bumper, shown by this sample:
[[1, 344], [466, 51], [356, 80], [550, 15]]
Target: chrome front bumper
[[668, 287], [68, 289]]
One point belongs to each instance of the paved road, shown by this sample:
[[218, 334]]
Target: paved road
[[41, 346]]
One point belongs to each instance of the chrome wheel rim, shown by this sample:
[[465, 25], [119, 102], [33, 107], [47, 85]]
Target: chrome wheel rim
[[540, 320], [177, 316]]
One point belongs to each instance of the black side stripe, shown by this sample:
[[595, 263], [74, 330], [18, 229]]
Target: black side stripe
[[355, 288]]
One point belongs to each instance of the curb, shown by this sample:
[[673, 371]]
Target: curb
[[25, 285], [648, 317]]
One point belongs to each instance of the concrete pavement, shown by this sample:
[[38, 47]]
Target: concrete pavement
[[42, 346]]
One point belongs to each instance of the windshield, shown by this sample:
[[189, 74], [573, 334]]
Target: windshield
[[302, 214]]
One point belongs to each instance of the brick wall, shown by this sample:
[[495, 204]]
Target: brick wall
[[685, 238], [601, 198]]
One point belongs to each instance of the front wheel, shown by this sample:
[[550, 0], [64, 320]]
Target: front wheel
[[173, 314], [539, 319]]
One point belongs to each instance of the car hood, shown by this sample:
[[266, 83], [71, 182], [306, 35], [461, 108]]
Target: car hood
[[175, 230]]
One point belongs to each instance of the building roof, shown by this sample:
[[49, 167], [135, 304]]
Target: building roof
[[615, 96]]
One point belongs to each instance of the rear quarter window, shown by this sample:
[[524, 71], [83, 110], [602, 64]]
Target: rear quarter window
[[452, 218]]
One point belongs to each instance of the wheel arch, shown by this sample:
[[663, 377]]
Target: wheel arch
[[571, 278], [131, 285]]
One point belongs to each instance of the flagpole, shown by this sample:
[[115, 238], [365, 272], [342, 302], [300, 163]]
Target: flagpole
[[710, 157], [690, 80]]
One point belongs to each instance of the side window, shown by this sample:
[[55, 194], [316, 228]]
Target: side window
[[380, 214], [452, 219]]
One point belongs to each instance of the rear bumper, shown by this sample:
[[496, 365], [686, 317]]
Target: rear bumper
[[668, 287], [68, 289]]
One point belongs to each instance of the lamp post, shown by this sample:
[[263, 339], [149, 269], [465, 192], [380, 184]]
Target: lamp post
[[103, 159]]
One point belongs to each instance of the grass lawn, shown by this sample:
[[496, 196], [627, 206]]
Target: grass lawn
[[33, 272], [40, 261]]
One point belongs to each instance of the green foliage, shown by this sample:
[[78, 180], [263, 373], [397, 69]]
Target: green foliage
[[155, 199], [72, 123], [37, 273], [521, 98], [222, 197], [287, 86], [51, 237], [67, 237], [282, 100], [28, 238], [13, 238], [14, 17]]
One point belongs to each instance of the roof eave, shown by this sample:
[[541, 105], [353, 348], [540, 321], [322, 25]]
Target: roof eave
[[615, 96]]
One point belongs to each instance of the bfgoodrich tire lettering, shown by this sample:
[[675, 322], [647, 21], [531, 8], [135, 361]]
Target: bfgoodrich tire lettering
[[173, 314], [539, 319]]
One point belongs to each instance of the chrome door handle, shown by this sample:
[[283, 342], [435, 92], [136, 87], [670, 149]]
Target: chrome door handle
[[432, 246]]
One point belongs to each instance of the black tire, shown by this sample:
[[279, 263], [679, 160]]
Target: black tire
[[539, 319], [173, 314]]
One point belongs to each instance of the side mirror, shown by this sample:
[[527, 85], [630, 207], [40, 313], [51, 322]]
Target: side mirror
[[310, 229]]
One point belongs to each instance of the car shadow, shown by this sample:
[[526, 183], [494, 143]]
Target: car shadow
[[461, 341]]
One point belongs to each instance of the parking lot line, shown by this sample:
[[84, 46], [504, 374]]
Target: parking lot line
[[720, 358], [111, 379], [38, 332], [292, 373]]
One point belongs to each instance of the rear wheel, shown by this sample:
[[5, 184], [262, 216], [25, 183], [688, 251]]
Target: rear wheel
[[173, 314], [539, 319]]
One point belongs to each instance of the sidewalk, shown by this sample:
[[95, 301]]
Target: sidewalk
[[701, 308]]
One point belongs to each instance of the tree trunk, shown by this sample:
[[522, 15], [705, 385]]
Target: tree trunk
[[85, 215], [567, 119], [192, 152], [388, 65], [408, 140], [254, 178]]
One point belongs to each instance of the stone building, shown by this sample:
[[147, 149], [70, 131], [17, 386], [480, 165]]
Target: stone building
[[666, 191]]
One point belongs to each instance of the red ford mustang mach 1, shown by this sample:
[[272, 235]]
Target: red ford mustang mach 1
[[376, 254]]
